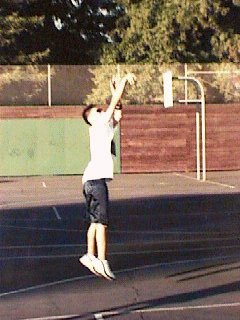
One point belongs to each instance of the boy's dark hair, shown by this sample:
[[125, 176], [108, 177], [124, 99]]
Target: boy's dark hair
[[86, 112]]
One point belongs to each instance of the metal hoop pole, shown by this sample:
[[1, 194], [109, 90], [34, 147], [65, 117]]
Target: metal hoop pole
[[203, 119], [198, 155], [49, 87], [186, 83], [204, 174]]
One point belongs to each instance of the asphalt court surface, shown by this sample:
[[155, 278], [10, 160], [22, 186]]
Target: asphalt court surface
[[174, 245]]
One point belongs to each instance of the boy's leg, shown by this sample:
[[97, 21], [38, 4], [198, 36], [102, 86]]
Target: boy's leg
[[96, 193], [91, 239], [101, 239], [101, 265], [89, 258]]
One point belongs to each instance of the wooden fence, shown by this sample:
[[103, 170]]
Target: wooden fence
[[157, 140], [154, 139]]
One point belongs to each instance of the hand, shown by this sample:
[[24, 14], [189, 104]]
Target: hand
[[131, 78], [114, 82], [117, 115]]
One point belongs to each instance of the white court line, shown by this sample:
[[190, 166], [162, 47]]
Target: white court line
[[58, 194], [162, 309], [220, 184], [157, 265], [207, 181], [136, 187], [118, 253], [23, 204], [100, 316], [45, 285], [42, 229], [118, 244], [64, 256], [119, 232], [166, 309], [210, 306], [43, 246], [69, 316], [57, 213]]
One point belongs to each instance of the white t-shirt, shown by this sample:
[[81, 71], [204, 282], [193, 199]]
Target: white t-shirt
[[101, 164]]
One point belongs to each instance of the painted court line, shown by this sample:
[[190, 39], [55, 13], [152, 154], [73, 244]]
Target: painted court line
[[64, 256], [167, 309], [20, 204], [207, 181], [76, 245], [210, 306], [44, 184], [69, 316], [100, 316], [34, 257], [45, 285], [136, 187], [157, 265], [42, 229], [182, 232], [116, 244], [220, 184], [57, 213]]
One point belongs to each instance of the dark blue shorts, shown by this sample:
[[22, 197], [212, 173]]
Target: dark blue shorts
[[97, 200]]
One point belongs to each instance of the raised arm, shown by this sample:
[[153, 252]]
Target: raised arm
[[117, 94]]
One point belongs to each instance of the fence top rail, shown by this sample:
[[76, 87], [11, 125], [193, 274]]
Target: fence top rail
[[213, 72]]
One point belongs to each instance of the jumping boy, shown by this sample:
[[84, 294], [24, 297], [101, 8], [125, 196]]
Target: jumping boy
[[97, 173]]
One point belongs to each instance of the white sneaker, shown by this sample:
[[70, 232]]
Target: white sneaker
[[88, 261], [102, 267]]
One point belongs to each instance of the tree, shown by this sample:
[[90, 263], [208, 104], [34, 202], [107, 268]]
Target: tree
[[81, 27], [155, 31], [55, 31], [20, 33], [148, 88], [22, 43]]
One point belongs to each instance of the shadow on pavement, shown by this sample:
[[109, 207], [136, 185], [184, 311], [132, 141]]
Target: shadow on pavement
[[36, 247], [172, 299]]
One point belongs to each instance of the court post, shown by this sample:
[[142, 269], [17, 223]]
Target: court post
[[168, 102], [49, 86], [203, 123]]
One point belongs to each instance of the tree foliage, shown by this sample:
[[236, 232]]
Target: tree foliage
[[155, 31], [81, 28], [148, 88], [221, 82], [55, 31], [161, 32], [21, 34], [126, 31]]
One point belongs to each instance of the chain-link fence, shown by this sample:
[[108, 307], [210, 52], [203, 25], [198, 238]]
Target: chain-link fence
[[221, 81], [81, 84], [23, 85]]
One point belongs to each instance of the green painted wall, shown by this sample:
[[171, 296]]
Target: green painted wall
[[46, 147]]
